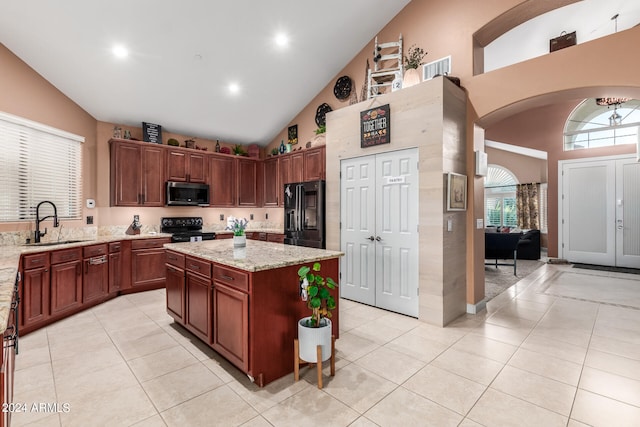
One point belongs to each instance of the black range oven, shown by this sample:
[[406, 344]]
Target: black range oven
[[185, 229]]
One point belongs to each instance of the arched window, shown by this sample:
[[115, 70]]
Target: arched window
[[602, 122], [500, 197]]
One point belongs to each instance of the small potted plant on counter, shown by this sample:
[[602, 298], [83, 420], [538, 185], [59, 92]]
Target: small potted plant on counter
[[238, 226], [315, 342]]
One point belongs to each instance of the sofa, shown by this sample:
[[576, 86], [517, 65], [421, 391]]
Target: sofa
[[501, 246], [529, 245]]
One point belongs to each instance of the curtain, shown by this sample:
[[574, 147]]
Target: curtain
[[527, 205]]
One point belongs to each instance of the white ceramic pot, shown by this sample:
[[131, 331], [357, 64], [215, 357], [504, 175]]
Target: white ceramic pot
[[239, 241], [411, 77], [310, 338]]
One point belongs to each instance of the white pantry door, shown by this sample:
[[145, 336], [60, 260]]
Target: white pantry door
[[379, 233]]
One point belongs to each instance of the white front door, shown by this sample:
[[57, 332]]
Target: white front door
[[379, 234], [600, 213], [588, 217], [628, 213]]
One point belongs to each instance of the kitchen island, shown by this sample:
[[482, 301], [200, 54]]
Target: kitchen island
[[244, 302]]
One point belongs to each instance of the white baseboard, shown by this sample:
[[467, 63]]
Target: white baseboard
[[476, 308]]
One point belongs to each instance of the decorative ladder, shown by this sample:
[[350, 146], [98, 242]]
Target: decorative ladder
[[387, 60]]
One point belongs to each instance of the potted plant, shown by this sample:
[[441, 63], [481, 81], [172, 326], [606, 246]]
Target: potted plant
[[412, 61], [238, 150], [238, 226], [315, 330], [320, 138]]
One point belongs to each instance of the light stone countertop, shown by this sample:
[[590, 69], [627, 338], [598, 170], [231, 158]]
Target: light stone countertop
[[256, 230], [10, 260], [256, 256]]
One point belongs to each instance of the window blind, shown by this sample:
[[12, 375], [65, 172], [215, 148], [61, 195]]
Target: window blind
[[37, 163]]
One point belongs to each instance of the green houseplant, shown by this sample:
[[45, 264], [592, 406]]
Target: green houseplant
[[237, 226], [238, 150], [412, 60], [318, 297]]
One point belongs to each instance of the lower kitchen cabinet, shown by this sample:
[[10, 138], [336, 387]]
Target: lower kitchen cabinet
[[230, 319], [148, 264], [115, 267], [95, 285], [175, 292], [198, 297], [66, 281], [34, 293], [7, 364]]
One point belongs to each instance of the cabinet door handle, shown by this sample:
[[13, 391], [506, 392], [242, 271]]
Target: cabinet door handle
[[224, 276], [194, 267]]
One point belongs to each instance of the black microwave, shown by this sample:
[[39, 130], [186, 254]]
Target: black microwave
[[187, 194]]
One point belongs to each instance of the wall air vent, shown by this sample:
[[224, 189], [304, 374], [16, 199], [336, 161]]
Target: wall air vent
[[440, 67]]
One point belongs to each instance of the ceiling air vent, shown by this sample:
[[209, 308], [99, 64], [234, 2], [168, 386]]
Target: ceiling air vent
[[440, 67]]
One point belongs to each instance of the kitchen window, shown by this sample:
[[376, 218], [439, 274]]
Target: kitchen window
[[37, 163]]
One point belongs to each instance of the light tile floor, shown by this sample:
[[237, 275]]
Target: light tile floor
[[551, 350]]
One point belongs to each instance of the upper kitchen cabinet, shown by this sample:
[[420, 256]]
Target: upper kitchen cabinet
[[271, 182], [137, 173], [222, 170], [186, 166], [314, 164], [249, 179]]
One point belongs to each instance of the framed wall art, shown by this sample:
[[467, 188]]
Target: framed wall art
[[456, 192]]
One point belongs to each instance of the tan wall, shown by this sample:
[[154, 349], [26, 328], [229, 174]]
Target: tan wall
[[26, 94], [431, 117], [447, 27], [526, 169]]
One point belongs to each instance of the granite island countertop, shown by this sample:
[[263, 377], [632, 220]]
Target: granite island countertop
[[10, 260], [256, 256]]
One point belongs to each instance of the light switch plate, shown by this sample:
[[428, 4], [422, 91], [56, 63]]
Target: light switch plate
[[479, 223]]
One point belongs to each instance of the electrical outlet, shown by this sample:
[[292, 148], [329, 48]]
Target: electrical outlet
[[221, 217], [266, 216], [89, 220], [251, 217]]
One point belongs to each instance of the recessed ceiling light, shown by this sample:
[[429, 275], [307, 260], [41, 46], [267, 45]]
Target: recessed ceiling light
[[120, 51], [282, 39], [234, 88]]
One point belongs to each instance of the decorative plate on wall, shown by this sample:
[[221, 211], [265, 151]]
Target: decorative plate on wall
[[321, 112], [342, 88]]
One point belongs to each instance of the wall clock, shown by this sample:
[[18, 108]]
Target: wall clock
[[342, 88], [321, 113]]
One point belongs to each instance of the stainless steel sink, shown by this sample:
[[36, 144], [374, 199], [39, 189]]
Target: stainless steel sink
[[61, 242]]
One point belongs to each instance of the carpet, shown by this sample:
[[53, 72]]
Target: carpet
[[497, 280]]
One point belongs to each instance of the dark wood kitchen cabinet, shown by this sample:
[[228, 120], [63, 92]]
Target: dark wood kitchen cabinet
[[230, 315], [183, 165], [148, 264], [7, 363], [247, 182], [222, 184], [66, 281], [34, 299], [137, 173], [314, 164], [95, 285], [271, 182], [198, 298], [175, 286], [115, 267]]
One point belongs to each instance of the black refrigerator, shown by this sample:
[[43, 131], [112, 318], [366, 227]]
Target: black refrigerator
[[304, 214]]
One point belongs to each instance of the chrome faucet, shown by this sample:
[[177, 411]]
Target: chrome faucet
[[38, 234]]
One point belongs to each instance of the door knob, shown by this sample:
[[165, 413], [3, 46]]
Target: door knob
[[371, 238], [378, 239]]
